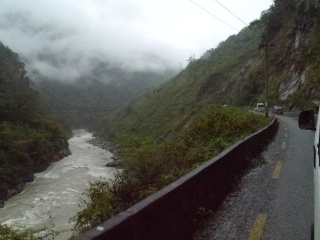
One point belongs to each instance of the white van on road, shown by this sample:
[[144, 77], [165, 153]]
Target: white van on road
[[259, 107]]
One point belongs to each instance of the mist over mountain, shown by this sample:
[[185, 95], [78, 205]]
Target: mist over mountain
[[62, 39], [165, 122], [82, 69], [62, 52], [83, 102], [66, 47], [233, 74]]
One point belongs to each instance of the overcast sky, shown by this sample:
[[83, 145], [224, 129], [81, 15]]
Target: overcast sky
[[135, 33]]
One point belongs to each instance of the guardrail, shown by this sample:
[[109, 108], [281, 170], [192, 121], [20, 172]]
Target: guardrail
[[171, 213]]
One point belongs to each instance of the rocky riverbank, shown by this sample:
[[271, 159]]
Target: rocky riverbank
[[108, 146], [5, 195]]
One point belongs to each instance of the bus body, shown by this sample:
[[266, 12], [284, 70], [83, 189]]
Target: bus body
[[306, 121]]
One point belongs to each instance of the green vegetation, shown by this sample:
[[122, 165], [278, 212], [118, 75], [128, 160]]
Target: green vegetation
[[81, 102], [292, 30], [166, 133], [161, 163], [9, 233], [168, 109], [29, 137], [12, 233]]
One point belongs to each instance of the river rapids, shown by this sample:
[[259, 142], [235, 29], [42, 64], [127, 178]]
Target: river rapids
[[53, 197]]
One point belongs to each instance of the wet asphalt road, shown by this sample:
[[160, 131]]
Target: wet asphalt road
[[274, 198]]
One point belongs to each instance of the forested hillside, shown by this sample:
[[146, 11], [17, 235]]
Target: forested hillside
[[81, 102], [233, 73], [168, 109], [30, 139]]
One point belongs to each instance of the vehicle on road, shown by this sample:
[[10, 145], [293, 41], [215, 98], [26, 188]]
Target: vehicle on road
[[259, 107], [307, 122], [277, 110]]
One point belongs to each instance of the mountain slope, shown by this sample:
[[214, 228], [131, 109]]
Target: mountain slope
[[234, 74], [29, 138], [81, 102], [166, 132], [173, 105]]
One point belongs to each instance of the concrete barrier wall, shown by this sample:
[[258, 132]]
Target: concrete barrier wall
[[172, 212]]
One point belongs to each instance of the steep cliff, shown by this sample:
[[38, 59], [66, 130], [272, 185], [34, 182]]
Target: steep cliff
[[290, 30], [29, 138]]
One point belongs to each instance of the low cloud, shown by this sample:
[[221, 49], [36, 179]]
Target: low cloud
[[64, 39]]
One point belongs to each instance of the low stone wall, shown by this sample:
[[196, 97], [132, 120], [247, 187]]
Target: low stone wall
[[171, 213]]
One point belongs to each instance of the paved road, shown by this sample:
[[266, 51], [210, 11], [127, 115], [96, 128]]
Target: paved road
[[274, 199]]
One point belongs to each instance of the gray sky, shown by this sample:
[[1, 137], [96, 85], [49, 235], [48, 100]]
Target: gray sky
[[136, 34]]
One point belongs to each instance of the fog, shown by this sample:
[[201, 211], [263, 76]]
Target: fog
[[65, 39]]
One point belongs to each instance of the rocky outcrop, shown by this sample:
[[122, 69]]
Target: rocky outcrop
[[61, 154], [13, 191], [294, 80], [109, 146]]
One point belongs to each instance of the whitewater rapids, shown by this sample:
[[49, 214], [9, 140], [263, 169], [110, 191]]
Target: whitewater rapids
[[53, 197]]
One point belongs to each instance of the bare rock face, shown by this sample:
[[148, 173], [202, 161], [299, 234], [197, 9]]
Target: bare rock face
[[294, 80]]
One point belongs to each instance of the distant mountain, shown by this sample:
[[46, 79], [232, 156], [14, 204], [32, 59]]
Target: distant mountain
[[81, 79], [84, 101]]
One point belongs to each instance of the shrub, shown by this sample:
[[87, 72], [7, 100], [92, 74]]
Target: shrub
[[149, 166]]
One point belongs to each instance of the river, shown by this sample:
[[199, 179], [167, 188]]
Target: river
[[53, 197]]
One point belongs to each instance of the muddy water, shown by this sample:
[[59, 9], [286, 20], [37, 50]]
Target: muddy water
[[53, 197]]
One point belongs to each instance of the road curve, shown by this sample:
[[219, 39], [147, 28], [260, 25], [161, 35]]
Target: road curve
[[274, 198]]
